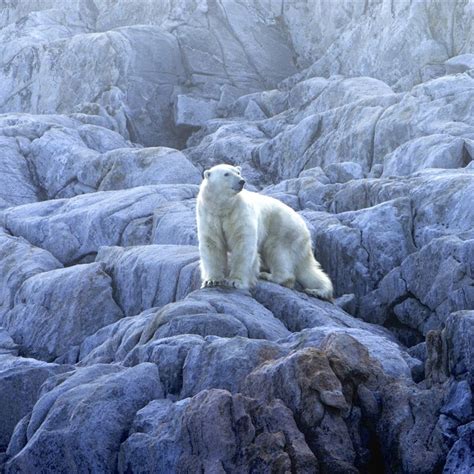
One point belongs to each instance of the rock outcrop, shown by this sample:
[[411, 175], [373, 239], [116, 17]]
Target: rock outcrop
[[358, 115]]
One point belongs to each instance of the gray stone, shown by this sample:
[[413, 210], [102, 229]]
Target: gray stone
[[166, 336], [460, 63], [343, 172], [371, 241], [428, 300], [125, 168], [232, 143], [61, 150], [59, 308], [193, 112], [195, 49], [433, 151], [7, 345], [204, 367], [389, 42], [460, 458], [169, 354], [408, 429], [175, 223], [81, 419], [78, 84], [459, 334], [300, 311], [74, 228], [19, 260], [150, 276], [460, 402], [20, 383], [16, 183], [59, 156], [215, 431]]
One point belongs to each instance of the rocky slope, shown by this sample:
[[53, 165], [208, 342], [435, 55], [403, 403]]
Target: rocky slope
[[359, 115]]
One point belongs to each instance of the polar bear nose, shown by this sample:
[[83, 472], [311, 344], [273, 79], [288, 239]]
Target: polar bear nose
[[242, 182]]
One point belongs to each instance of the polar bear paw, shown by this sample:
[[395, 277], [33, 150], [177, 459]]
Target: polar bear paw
[[212, 283], [235, 283], [322, 294]]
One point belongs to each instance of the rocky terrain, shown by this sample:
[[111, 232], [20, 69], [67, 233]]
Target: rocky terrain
[[358, 114]]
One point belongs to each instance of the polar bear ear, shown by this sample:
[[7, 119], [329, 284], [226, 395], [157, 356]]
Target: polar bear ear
[[206, 174]]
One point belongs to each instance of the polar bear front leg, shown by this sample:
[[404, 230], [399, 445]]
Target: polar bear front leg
[[244, 263], [213, 262]]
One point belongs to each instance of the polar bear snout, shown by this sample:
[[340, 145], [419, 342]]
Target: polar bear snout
[[239, 185]]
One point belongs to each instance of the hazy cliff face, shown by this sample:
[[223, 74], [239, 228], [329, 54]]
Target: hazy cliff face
[[135, 59], [357, 114]]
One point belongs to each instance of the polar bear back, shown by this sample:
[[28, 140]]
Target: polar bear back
[[275, 218]]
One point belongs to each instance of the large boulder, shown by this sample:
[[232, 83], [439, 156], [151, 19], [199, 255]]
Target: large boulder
[[81, 419], [216, 431], [150, 276], [56, 309], [20, 384], [19, 260]]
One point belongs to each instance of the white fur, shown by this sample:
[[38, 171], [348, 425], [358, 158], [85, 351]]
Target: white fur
[[240, 231]]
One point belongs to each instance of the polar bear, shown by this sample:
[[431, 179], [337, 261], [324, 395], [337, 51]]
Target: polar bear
[[241, 232]]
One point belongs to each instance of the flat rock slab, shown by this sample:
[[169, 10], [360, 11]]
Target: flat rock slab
[[125, 168], [300, 311], [74, 228]]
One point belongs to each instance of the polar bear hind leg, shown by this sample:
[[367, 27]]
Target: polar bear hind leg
[[280, 264], [313, 279]]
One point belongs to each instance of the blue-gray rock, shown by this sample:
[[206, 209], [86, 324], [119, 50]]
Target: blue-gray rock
[[215, 431], [459, 334], [175, 223], [411, 437], [150, 276], [204, 367], [211, 317], [19, 260], [56, 309], [460, 403], [362, 123], [74, 228], [82, 418], [127, 168], [460, 459], [20, 383]]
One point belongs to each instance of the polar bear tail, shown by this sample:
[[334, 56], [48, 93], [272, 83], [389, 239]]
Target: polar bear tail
[[313, 279]]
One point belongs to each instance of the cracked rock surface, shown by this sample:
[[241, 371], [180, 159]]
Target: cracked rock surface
[[358, 115]]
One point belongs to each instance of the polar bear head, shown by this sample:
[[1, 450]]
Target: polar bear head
[[224, 180]]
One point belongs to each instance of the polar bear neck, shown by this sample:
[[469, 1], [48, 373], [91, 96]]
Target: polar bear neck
[[219, 205]]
